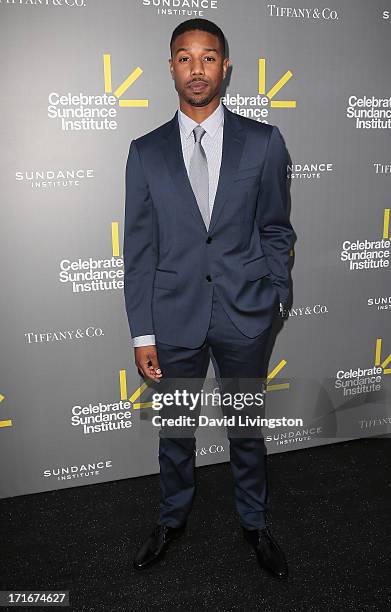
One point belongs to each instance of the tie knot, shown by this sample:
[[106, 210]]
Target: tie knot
[[198, 133]]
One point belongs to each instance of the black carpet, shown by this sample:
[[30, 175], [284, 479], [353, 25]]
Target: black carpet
[[330, 509]]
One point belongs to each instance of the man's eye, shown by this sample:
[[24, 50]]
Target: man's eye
[[183, 59], [210, 58]]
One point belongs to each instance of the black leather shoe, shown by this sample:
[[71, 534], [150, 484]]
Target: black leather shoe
[[269, 554], [155, 546]]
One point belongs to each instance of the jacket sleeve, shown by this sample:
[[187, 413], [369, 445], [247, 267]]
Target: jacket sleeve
[[276, 232], [139, 247]]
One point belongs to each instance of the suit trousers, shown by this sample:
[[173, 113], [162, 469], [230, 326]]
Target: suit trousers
[[233, 355]]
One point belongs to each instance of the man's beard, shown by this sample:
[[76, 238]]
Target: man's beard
[[200, 102]]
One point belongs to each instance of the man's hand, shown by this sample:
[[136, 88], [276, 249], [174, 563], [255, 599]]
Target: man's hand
[[147, 362]]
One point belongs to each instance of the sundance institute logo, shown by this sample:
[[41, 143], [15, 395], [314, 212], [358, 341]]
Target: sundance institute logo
[[369, 112], [364, 380], [52, 179], [89, 275], [188, 8], [369, 254], [258, 107], [85, 112]]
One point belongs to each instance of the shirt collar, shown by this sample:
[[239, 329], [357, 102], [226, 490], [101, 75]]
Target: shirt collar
[[210, 124]]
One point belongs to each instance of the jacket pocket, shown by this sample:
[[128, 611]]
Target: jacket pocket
[[256, 268], [165, 279]]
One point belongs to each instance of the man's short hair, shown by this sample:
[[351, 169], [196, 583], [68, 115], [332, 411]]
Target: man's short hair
[[199, 24]]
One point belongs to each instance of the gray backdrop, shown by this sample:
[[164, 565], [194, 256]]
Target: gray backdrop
[[65, 347]]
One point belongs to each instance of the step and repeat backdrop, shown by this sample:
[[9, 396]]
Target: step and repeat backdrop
[[80, 80]]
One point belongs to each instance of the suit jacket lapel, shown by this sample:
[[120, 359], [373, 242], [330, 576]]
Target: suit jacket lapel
[[172, 151], [233, 142]]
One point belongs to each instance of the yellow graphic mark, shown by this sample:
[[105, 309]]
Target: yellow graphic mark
[[276, 88], [115, 238], [273, 374], [261, 75], [280, 84], [386, 223], [122, 385], [283, 103], [8, 422], [135, 395], [378, 361], [133, 103], [128, 82], [107, 73]]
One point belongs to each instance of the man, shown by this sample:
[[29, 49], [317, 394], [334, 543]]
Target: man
[[206, 251]]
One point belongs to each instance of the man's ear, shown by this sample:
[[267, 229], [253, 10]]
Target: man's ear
[[225, 66], [171, 68]]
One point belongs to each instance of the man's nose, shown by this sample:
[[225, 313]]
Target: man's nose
[[197, 67]]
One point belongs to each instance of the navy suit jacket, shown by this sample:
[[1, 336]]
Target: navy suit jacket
[[172, 262]]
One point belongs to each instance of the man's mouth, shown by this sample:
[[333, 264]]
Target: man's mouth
[[198, 86]]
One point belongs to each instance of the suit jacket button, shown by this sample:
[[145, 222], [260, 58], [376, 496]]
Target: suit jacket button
[[209, 240], [208, 278]]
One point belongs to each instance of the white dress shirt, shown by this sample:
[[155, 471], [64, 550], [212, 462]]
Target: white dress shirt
[[212, 142]]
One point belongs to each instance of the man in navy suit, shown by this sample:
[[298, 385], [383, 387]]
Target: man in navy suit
[[207, 239]]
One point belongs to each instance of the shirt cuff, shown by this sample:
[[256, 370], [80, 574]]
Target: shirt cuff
[[143, 340]]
